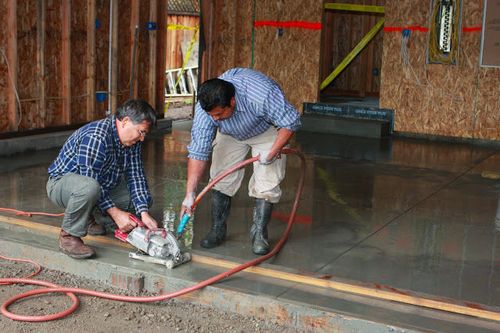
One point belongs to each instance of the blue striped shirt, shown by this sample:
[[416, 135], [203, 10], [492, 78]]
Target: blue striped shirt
[[260, 104], [95, 151]]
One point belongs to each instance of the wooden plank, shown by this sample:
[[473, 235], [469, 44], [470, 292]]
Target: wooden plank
[[153, 16], [161, 52], [66, 61], [114, 58], [388, 295], [40, 54], [134, 22], [12, 61], [91, 69], [326, 54], [370, 54], [355, 8]]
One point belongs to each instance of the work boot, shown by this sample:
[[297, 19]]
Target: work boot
[[258, 232], [95, 229], [73, 246], [221, 204]]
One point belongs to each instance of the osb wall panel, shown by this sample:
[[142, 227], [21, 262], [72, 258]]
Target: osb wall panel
[[232, 35], [101, 54], [78, 63], [28, 79], [293, 59], [5, 84], [52, 63], [445, 100]]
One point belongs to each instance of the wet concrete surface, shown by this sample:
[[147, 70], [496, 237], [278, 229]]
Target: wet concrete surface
[[399, 213]]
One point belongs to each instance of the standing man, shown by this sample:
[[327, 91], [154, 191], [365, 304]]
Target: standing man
[[243, 109], [99, 171]]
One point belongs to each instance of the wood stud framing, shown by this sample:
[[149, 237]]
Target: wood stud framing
[[40, 55], [66, 62], [134, 22], [13, 112], [91, 31], [153, 16]]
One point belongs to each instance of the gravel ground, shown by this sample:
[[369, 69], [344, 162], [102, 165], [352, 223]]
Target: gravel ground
[[100, 315]]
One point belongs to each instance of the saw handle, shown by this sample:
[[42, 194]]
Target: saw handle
[[136, 220], [182, 225]]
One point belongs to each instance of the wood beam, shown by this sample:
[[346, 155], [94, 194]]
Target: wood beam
[[161, 52], [66, 61], [41, 6], [114, 58], [134, 47], [91, 31], [12, 63], [153, 16]]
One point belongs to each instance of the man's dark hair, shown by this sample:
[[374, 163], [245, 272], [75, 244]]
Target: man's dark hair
[[137, 110], [215, 92]]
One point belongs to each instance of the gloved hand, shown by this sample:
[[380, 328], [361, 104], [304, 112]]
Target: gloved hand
[[264, 158], [187, 203]]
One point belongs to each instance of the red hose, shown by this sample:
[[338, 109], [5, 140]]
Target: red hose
[[23, 213], [51, 288]]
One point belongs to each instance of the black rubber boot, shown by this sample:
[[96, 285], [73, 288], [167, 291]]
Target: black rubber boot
[[221, 204], [258, 232]]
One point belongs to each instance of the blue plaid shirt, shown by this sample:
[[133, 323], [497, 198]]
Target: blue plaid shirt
[[260, 104], [95, 151]]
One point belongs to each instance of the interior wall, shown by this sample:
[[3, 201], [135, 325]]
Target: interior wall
[[435, 99], [56, 53], [291, 59]]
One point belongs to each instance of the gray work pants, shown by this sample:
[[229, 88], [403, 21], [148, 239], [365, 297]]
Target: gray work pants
[[78, 195]]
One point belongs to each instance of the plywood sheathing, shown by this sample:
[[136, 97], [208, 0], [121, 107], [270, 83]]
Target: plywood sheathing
[[445, 100], [292, 60]]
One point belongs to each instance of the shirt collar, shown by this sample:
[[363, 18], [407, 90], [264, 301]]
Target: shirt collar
[[116, 138]]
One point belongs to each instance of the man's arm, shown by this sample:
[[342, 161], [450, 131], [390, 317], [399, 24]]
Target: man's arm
[[195, 171], [284, 135], [138, 187]]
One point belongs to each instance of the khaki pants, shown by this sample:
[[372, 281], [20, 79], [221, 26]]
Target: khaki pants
[[265, 180]]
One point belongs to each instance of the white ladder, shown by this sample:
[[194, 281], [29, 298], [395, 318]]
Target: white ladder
[[187, 82]]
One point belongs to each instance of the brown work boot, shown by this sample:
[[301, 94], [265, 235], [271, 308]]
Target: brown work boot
[[74, 247], [95, 229]]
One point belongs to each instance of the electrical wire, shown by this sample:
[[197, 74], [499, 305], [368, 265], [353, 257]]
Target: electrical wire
[[52, 288]]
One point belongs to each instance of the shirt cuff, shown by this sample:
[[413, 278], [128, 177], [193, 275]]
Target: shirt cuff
[[198, 156], [141, 208]]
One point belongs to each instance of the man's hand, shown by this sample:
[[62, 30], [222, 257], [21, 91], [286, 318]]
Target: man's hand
[[267, 157], [149, 221], [187, 204], [121, 219]]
